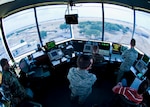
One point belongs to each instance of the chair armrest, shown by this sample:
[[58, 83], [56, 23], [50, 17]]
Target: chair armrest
[[30, 73]]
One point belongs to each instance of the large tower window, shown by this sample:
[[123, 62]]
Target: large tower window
[[21, 32], [118, 25]]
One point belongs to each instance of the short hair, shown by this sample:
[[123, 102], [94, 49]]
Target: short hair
[[143, 86], [133, 42], [83, 61], [3, 62], [95, 48]]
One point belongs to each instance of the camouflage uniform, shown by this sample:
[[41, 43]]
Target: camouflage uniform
[[129, 57], [13, 90], [81, 82]]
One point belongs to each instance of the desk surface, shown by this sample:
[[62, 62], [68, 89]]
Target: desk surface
[[37, 54]]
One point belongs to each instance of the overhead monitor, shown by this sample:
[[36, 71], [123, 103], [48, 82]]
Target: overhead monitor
[[50, 45], [55, 54], [141, 67], [87, 48], [104, 46], [71, 19], [116, 48], [145, 59]]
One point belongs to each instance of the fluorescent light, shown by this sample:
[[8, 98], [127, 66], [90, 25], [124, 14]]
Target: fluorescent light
[[5, 1]]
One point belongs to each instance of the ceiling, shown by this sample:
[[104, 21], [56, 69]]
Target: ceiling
[[17, 5]]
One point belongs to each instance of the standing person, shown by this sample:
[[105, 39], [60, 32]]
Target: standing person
[[98, 58], [13, 90], [81, 81], [129, 57]]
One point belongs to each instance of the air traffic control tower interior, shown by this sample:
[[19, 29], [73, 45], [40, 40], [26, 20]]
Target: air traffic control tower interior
[[43, 38]]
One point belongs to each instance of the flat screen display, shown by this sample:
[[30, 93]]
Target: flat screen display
[[87, 48], [116, 48], [141, 67], [71, 19], [145, 59], [50, 45], [54, 53], [104, 46]]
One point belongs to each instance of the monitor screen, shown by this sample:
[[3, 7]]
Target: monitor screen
[[78, 46], [55, 54], [116, 48], [145, 59], [71, 19], [87, 48], [141, 67], [50, 45], [104, 46]]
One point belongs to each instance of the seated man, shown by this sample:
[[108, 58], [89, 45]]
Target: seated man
[[13, 90], [131, 94], [96, 56], [80, 79]]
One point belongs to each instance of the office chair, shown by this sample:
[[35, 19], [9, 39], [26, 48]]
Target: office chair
[[31, 70], [124, 102], [30, 104], [99, 69], [25, 67], [31, 74]]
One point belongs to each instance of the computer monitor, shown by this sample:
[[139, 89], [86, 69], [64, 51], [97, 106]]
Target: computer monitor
[[116, 48], [141, 67], [55, 54], [104, 46], [87, 48], [78, 45], [145, 59], [50, 45]]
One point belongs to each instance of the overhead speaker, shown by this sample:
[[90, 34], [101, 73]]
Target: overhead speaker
[[71, 19]]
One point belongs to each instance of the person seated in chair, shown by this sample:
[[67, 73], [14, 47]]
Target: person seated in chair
[[98, 58], [13, 90], [129, 93], [81, 81]]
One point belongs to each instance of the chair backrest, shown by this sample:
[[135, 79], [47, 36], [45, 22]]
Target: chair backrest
[[127, 103], [24, 66], [30, 104]]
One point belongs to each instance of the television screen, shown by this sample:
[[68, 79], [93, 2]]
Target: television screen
[[104, 46], [71, 19], [116, 48], [50, 45], [145, 59]]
